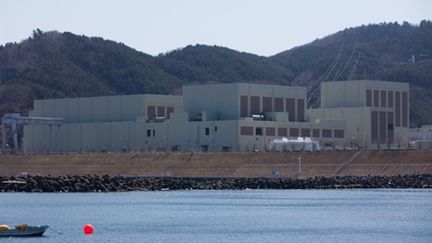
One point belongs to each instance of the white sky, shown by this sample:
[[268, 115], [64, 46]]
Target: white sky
[[263, 27]]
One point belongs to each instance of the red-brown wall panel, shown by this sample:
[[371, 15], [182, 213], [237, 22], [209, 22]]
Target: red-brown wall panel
[[301, 110], [270, 131], [290, 108], [326, 133], [339, 133], [376, 98], [374, 127], [305, 132], [246, 131], [278, 104], [243, 106], [382, 127], [390, 127], [255, 105], [282, 132], [404, 109], [390, 99], [397, 109], [161, 111], [170, 110], [151, 112], [267, 104], [316, 133], [368, 98], [294, 132], [383, 98]]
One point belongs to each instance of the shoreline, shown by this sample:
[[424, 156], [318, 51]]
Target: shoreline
[[107, 183]]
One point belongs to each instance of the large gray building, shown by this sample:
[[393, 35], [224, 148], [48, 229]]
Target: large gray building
[[224, 117]]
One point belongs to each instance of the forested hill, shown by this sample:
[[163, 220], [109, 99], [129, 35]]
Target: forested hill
[[53, 64]]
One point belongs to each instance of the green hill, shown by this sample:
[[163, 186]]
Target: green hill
[[53, 64]]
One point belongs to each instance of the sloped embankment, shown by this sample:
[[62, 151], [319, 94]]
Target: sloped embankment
[[224, 165]]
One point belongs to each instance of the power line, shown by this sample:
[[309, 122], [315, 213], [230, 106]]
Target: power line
[[341, 71], [354, 68], [314, 87]]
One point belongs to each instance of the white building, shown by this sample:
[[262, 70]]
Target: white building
[[223, 117]]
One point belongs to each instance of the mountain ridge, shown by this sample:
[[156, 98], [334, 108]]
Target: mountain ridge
[[57, 65]]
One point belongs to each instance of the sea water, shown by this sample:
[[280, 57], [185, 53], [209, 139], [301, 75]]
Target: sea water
[[225, 216]]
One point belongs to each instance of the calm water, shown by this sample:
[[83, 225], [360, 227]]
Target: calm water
[[226, 216]]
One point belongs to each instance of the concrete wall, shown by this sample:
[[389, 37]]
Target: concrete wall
[[224, 99], [261, 142], [104, 108], [353, 93], [357, 122], [221, 99]]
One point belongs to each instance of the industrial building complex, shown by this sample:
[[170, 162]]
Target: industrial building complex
[[224, 117]]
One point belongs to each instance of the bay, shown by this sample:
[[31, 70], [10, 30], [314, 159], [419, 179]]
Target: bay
[[384, 215]]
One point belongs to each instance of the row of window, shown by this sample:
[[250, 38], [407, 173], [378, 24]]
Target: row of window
[[260, 105], [159, 111], [207, 130], [291, 132]]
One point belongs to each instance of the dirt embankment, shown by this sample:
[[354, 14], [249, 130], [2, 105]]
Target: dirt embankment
[[224, 165]]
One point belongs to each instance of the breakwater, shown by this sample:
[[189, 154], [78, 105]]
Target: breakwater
[[106, 183]]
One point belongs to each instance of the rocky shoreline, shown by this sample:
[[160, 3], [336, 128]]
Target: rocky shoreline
[[106, 183]]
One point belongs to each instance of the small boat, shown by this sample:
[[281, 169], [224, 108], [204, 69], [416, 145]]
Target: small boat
[[22, 230]]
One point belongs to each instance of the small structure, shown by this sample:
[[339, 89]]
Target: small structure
[[298, 144], [15, 120]]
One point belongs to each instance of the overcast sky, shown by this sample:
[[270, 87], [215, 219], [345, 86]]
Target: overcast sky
[[263, 27]]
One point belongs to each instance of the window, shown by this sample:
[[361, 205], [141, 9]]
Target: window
[[255, 105], [404, 109], [383, 98], [327, 133], [294, 132], [278, 104], [207, 131], [170, 110], [267, 104], [161, 111], [148, 133], [368, 98], [315, 133], [301, 110], [290, 108], [154, 132], [374, 127], [398, 109], [390, 99], [339, 133], [282, 132], [243, 106], [258, 131], [246, 131], [270, 131], [215, 128], [305, 132], [376, 98], [151, 112]]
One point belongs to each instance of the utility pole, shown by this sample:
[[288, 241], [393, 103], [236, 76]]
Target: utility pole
[[299, 166]]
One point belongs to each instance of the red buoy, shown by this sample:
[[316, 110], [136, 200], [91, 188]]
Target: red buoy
[[88, 229]]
